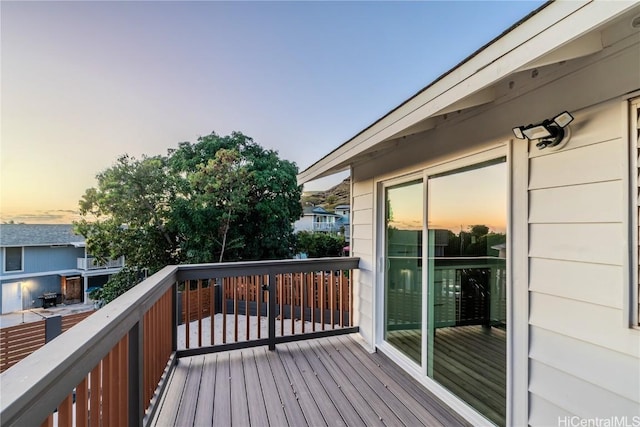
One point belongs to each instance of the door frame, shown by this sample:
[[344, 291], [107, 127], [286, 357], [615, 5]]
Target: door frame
[[419, 372]]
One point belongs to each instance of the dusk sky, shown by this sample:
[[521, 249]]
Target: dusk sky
[[84, 82]]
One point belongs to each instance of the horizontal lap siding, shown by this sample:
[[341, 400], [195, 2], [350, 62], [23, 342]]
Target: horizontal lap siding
[[362, 246], [583, 361]]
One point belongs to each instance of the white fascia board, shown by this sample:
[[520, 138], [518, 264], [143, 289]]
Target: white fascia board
[[101, 272], [23, 276], [552, 27]]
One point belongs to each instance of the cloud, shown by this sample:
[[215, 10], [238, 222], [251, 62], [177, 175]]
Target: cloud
[[55, 216]]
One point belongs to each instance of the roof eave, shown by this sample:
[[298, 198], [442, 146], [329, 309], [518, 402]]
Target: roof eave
[[544, 30]]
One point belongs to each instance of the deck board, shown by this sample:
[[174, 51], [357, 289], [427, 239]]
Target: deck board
[[170, 402], [204, 408], [222, 393], [187, 409], [255, 397], [332, 388], [239, 395], [327, 381]]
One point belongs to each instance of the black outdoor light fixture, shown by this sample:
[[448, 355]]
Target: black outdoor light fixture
[[549, 133]]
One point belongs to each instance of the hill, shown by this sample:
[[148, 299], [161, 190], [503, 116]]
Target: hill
[[337, 195]]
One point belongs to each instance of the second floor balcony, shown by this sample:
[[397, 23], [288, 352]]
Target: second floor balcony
[[250, 343], [93, 264]]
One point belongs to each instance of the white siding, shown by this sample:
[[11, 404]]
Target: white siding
[[583, 361], [362, 246]]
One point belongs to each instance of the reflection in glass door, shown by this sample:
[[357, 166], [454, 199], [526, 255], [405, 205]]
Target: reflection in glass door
[[404, 226], [467, 285]]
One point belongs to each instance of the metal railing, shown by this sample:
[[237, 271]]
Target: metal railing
[[327, 226], [111, 368]]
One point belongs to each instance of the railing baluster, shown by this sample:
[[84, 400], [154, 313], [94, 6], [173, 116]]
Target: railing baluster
[[259, 293], [302, 300], [246, 307], [106, 389], [199, 295], [322, 299], [235, 308], [113, 385], [124, 386], [350, 305], [48, 422], [212, 310], [187, 311], [94, 396], [135, 376], [280, 286], [312, 284], [225, 282], [341, 302], [82, 405], [331, 302], [272, 286], [65, 412], [291, 302]]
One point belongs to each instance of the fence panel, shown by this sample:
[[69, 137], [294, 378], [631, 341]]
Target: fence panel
[[17, 342]]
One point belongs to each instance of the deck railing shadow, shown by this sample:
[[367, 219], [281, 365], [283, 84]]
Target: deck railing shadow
[[111, 368]]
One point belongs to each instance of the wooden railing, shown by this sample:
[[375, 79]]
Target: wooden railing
[[111, 368]]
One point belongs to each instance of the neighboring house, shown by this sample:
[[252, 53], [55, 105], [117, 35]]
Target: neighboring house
[[50, 261], [501, 274], [318, 219]]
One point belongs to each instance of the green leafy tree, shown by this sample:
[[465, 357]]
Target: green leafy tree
[[129, 211], [219, 199], [262, 228], [221, 185]]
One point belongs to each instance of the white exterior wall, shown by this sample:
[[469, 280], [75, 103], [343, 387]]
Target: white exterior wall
[[361, 245], [582, 354], [304, 224], [571, 350]]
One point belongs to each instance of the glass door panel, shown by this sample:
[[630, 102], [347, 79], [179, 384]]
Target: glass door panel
[[404, 213], [467, 321]]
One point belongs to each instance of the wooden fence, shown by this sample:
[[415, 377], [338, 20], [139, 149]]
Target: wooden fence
[[19, 341]]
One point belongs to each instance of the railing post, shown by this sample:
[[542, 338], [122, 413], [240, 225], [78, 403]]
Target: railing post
[[136, 377], [272, 311], [52, 327]]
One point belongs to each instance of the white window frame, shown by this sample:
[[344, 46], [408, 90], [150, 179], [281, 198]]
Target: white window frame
[[419, 371], [632, 289], [4, 259]]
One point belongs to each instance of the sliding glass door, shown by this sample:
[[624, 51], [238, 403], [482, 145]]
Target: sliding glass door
[[465, 280]]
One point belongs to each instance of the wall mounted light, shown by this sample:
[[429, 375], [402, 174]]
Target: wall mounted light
[[549, 133]]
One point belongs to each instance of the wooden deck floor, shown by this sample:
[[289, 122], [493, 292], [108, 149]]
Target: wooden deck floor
[[327, 381]]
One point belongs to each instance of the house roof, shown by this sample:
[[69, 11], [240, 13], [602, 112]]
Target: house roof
[[317, 210], [39, 235], [555, 32]]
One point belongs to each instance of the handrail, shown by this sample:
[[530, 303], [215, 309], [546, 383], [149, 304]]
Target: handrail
[[37, 385], [230, 269]]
